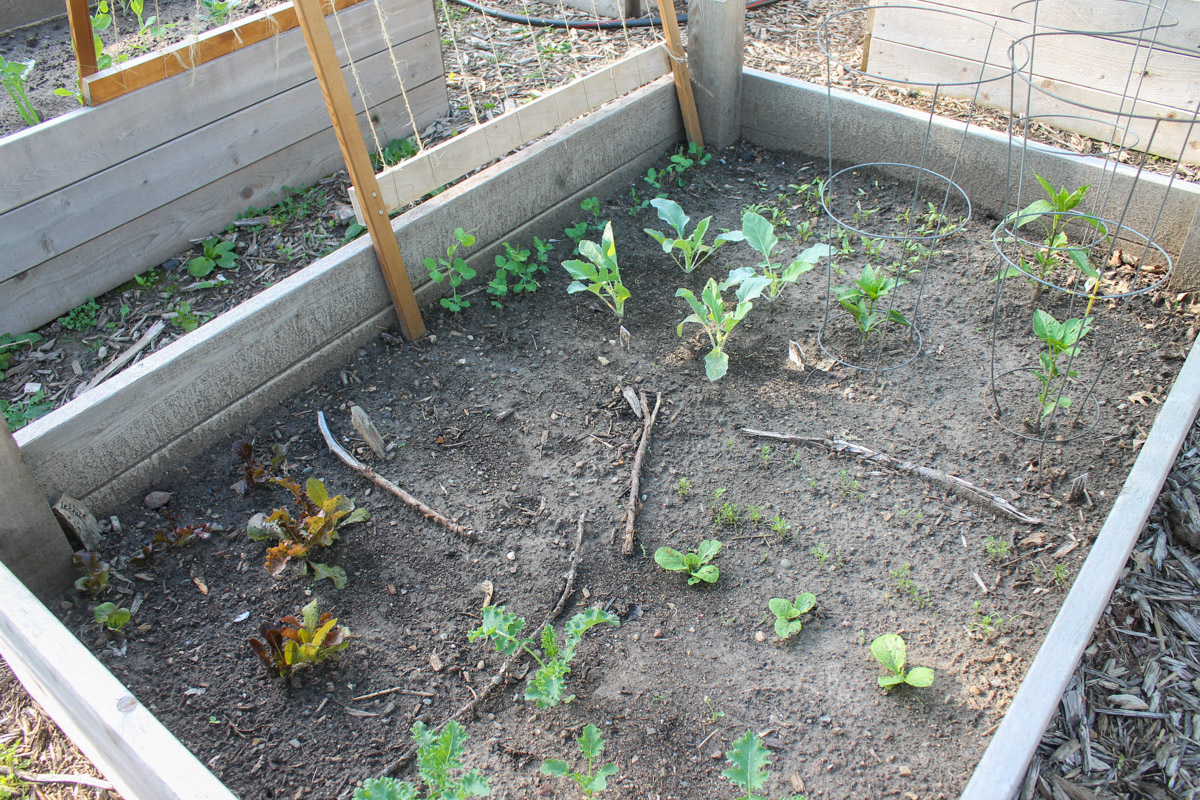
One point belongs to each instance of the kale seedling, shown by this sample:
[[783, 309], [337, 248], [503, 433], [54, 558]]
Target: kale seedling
[[1061, 339], [95, 573], [453, 270], [692, 250], [217, 253], [321, 521], [14, 74], [711, 313], [759, 233], [599, 274], [749, 771], [437, 756], [110, 616], [890, 651], [554, 664], [695, 564], [298, 643], [593, 780], [861, 301], [788, 612]]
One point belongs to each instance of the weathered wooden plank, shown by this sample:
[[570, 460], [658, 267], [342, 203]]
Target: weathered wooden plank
[[122, 738], [51, 288], [414, 178], [144, 70], [54, 224], [39, 160], [111, 440]]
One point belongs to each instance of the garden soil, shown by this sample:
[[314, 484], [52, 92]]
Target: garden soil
[[513, 422]]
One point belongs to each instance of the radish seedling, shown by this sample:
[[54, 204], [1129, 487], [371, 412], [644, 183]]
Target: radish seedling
[[437, 756], [599, 274], [890, 651], [1061, 339], [749, 771], [788, 612], [692, 250], [760, 234], [454, 270], [593, 780], [695, 564], [861, 301], [718, 321]]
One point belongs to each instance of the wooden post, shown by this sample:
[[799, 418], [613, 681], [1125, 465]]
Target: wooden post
[[716, 40], [358, 162], [679, 68], [82, 39], [32, 544]]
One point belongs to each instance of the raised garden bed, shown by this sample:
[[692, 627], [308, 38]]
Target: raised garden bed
[[827, 721]]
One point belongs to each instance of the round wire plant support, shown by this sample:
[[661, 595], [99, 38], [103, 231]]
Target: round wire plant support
[[1008, 390], [903, 349], [1141, 16]]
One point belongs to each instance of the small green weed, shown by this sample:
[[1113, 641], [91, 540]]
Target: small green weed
[[754, 514], [906, 586], [216, 253], [764, 454], [849, 486], [82, 317], [683, 486], [394, 152], [997, 549], [781, 526], [19, 413], [9, 344], [728, 514], [987, 626]]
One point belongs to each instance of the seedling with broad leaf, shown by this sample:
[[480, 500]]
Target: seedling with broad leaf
[[554, 662], [599, 274], [695, 564], [711, 313], [297, 643], [1062, 341], [95, 573], [890, 651], [788, 613], [9, 344], [692, 251], [861, 300], [750, 773], [438, 755], [216, 253], [319, 525], [453, 270], [13, 75], [759, 233], [111, 616], [592, 780], [1051, 213]]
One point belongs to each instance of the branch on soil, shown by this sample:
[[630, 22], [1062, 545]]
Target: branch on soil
[[510, 665], [648, 418], [964, 489], [371, 475]]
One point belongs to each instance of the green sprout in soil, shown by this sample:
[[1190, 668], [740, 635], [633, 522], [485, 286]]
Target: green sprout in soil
[[749, 759], [906, 586], [216, 253], [438, 755], [754, 514], [591, 780], [95, 573], [717, 318], [695, 564], [891, 652], [9, 344], [764, 454], [298, 643], [554, 662], [599, 273], [987, 626], [81, 318], [788, 613], [781, 526], [1062, 341], [111, 616], [997, 549], [683, 486], [453, 270], [759, 233]]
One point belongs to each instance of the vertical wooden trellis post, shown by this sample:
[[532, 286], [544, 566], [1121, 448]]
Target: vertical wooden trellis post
[[716, 42], [80, 20], [679, 69], [358, 162]]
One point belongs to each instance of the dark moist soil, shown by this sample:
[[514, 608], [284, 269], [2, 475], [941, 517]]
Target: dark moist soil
[[513, 422]]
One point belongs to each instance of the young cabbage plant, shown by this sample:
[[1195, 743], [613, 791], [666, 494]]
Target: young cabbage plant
[[692, 250], [759, 233], [592, 780], [890, 651], [695, 564], [788, 612], [718, 320], [599, 274], [861, 301], [1061, 340]]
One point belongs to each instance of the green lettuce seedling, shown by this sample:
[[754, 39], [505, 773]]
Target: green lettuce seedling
[[759, 233], [593, 780], [437, 756], [692, 250], [554, 663], [1061, 339], [301, 642], [890, 651], [111, 616], [788, 612], [95, 573], [861, 301], [711, 313], [695, 564], [749, 771], [453, 270], [599, 274]]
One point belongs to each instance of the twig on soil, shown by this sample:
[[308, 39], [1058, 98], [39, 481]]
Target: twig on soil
[[149, 336], [371, 475], [963, 488], [50, 777], [648, 418], [511, 663]]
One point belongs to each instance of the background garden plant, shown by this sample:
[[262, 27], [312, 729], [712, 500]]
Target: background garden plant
[[716, 318], [892, 653], [13, 75], [591, 780], [695, 564]]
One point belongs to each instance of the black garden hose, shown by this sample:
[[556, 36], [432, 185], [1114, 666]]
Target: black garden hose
[[587, 25]]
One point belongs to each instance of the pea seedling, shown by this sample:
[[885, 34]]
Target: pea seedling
[[599, 274], [718, 321], [749, 771], [1061, 339], [592, 780], [695, 564], [788, 612], [692, 250], [453, 270], [861, 301], [891, 652]]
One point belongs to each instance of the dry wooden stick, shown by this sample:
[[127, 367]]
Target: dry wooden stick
[[510, 664], [51, 777], [371, 475], [961, 487], [648, 418]]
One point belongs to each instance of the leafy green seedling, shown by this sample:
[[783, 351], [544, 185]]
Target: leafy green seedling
[[692, 250], [861, 301], [320, 523], [780, 525], [718, 320], [217, 11], [759, 233], [111, 616], [592, 780], [754, 514], [9, 344], [1061, 339], [19, 413], [95, 573], [453, 270], [599, 274], [683, 486], [1049, 213], [890, 651], [298, 643], [788, 612], [749, 771], [546, 687], [82, 317], [695, 564], [394, 152], [592, 206], [727, 514], [217, 253], [516, 263], [997, 549], [438, 755], [13, 75]]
